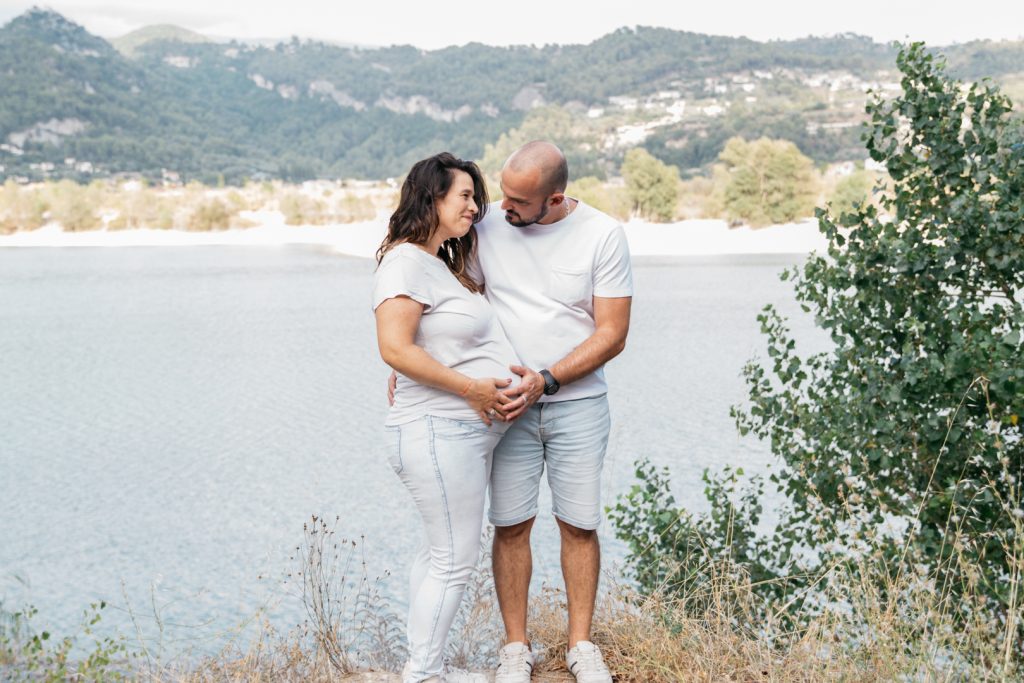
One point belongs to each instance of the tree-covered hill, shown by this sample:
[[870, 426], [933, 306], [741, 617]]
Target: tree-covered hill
[[73, 106], [128, 43]]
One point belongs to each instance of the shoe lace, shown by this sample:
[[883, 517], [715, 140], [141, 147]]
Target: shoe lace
[[513, 663], [591, 660], [514, 659]]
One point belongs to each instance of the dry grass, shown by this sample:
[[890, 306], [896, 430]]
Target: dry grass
[[861, 633], [869, 627]]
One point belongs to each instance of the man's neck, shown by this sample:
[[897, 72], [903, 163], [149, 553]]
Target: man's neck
[[561, 213]]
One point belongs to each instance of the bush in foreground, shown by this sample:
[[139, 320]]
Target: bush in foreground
[[901, 448]]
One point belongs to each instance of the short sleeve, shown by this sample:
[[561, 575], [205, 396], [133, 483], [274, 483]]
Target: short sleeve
[[613, 274], [399, 275]]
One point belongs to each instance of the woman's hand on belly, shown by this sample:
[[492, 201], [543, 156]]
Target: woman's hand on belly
[[484, 396]]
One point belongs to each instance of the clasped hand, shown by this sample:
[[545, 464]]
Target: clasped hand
[[487, 399], [484, 396], [524, 394]]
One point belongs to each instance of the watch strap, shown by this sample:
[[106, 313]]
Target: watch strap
[[551, 385]]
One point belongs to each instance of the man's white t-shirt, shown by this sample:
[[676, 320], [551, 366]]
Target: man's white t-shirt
[[541, 280], [458, 329]]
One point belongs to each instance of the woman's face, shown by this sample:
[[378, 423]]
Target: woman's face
[[456, 211]]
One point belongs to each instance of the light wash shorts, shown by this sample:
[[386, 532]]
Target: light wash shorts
[[571, 437]]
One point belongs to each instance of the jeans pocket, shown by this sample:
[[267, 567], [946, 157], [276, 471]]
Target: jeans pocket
[[393, 446], [447, 428]]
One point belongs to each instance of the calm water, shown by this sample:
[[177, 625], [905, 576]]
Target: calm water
[[169, 419]]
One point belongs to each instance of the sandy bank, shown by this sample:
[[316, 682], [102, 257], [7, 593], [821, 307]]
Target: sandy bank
[[694, 237]]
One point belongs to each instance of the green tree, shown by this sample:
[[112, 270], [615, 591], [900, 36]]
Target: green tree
[[211, 214], [652, 186], [914, 418], [544, 123], [556, 125], [21, 208], [852, 189], [299, 209], [352, 208], [612, 200], [765, 181], [75, 207]]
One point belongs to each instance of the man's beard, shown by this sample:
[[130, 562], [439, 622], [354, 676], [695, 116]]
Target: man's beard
[[521, 223]]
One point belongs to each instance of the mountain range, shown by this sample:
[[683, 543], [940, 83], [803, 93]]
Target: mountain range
[[166, 102]]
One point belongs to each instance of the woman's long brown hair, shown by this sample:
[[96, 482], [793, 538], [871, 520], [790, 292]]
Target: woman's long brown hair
[[416, 219]]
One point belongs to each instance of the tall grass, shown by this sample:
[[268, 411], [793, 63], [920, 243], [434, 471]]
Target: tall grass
[[874, 623]]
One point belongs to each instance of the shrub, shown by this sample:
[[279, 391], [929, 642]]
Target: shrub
[[902, 446]]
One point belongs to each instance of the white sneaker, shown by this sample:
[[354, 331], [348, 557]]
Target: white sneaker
[[515, 664], [453, 675], [407, 669], [586, 664]]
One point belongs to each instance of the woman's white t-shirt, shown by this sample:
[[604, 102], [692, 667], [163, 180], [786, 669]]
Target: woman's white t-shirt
[[458, 329]]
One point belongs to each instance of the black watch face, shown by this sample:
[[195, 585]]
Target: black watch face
[[551, 384]]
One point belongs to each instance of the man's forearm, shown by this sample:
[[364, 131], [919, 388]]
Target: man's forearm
[[595, 351], [611, 316]]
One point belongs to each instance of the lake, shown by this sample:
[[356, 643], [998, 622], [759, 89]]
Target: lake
[[170, 417]]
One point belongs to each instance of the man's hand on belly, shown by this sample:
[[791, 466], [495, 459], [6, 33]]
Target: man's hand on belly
[[525, 394]]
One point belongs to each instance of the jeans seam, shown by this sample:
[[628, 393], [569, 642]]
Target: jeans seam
[[462, 424], [519, 519], [398, 447], [448, 525], [575, 523], [401, 463]]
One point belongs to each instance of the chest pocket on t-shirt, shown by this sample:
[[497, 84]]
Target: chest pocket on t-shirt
[[569, 286]]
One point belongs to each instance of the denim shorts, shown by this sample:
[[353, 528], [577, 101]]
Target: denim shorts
[[571, 437]]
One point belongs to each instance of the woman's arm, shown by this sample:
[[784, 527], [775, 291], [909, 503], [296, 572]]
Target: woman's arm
[[398, 319]]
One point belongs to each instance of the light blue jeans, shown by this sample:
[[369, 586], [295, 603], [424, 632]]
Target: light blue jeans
[[445, 464]]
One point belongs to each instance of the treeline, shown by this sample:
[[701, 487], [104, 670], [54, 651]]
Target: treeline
[[102, 205], [756, 183]]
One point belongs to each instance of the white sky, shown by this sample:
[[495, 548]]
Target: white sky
[[432, 25]]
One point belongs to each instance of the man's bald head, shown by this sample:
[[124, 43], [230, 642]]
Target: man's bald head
[[543, 159]]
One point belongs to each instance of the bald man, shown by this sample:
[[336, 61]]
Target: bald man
[[557, 272]]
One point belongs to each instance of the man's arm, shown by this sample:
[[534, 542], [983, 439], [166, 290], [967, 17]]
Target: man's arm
[[611, 325]]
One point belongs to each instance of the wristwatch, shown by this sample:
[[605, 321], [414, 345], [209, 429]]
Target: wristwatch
[[551, 385]]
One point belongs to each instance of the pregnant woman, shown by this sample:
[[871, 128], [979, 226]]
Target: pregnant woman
[[439, 334]]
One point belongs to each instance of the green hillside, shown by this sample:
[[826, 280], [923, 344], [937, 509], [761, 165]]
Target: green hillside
[[130, 42], [71, 105]]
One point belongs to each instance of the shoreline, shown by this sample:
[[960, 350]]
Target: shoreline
[[698, 237]]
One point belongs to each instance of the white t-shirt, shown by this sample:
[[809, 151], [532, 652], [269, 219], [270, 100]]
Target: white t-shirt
[[458, 329], [541, 280]]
